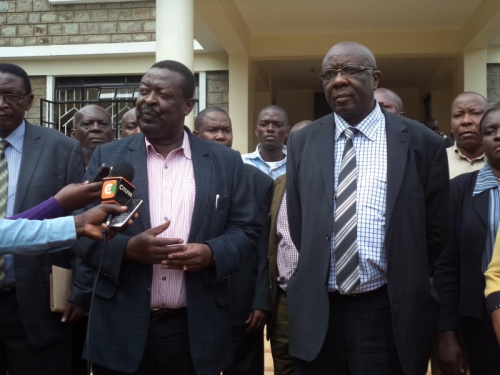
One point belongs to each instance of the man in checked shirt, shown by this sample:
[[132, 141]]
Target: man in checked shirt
[[283, 257]]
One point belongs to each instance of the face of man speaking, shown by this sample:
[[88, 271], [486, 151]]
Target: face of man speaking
[[161, 105], [350, 97]]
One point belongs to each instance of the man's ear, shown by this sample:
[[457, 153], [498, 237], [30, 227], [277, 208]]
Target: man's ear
[[402, 114], [189, 106], [72, 134], [195, 132]]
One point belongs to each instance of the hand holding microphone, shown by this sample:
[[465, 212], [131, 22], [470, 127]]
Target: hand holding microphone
[[117, 189]]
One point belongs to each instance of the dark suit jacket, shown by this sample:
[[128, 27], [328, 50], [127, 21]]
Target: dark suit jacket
[[458, 274], [50, 161], [416, 223], [278, 193], [250, 285], [120, 317]]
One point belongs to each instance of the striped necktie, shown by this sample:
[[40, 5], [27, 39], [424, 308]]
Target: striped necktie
[[345, 225], [4, 183]]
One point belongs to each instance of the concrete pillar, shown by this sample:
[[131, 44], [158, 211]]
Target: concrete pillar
[[241, 95], [475, 71], [174, 34], [174, 31]]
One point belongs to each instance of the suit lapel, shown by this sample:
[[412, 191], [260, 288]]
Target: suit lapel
[[481, 203], [397, 155], [202, 169], [324, 137], [139, 161], [32, 148]]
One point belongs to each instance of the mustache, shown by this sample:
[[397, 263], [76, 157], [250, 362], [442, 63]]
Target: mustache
[[148, 108]]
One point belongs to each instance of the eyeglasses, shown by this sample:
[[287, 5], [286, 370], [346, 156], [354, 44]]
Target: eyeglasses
[[347, 71], [12, 98]]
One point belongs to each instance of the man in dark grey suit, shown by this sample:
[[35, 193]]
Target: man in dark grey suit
[[250, 303], [162, 298], [367, 199], [40, 162]]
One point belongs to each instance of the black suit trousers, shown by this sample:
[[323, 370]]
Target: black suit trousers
[[18, 356], [359, 340]]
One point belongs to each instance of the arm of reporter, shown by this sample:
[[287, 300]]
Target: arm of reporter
[[90, 223], [69, 198]]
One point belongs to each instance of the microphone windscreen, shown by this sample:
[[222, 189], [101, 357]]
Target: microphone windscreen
[[123, 169]]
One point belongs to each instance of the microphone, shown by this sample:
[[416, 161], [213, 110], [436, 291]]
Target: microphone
[[117, 188]]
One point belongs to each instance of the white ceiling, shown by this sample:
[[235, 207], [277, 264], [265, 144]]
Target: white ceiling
[[326, 16]]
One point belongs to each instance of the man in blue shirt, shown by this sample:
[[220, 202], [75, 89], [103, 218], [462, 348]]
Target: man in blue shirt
[[272, 130]]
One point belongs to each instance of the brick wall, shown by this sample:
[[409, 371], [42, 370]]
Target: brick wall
[[218, 89], [38, 87], [36, 22], [493, 84]]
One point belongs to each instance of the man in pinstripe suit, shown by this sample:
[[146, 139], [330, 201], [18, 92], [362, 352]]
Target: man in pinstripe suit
[[162, 299]]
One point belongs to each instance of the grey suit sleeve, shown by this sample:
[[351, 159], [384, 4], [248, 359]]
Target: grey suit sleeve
[[293, 203]]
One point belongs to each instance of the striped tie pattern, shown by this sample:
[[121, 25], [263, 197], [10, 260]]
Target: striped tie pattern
[[4, 182], [345, 225]]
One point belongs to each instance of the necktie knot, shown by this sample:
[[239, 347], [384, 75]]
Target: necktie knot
[[3, 145], [351, 132]]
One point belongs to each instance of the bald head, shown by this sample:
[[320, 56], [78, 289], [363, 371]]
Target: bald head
[[390, 101], [92, 126], [129, 124], [300, 125], [348, 48], [350, 75]]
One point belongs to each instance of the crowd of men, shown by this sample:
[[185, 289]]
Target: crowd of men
[[343, 235]]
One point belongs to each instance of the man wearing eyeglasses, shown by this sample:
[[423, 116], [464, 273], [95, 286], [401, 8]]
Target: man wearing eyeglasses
[[367, 200], [35, 163]]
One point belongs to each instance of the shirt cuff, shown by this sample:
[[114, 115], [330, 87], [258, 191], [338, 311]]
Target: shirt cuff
[[493, 302]]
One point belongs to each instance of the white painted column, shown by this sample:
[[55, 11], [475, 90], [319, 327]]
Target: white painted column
[[241, 92], [174, 34], [174, 31], [475, 74], [49, 95]]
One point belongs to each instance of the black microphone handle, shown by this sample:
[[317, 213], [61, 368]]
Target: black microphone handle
[[109, 218]]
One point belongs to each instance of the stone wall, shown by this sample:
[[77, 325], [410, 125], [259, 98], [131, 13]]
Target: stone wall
[[493, 84], [218, 89], [38, 87], [36, 22]]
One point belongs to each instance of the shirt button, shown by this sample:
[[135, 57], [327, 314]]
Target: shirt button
[[164, 278], [166, 166], [163, 305]]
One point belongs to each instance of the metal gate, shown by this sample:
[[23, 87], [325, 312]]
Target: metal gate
[[116, 97]]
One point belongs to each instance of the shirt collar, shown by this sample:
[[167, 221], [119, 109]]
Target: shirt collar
[[368, 126], [256, 153], [461, 156], [16, 138], [185, 147], [486, 180]]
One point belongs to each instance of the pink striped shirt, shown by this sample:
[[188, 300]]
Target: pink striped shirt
[[171, 195]]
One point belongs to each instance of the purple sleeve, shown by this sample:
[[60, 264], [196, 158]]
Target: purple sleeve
[[49, 209]]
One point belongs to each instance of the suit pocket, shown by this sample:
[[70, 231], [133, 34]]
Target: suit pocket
[[221, 204]]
